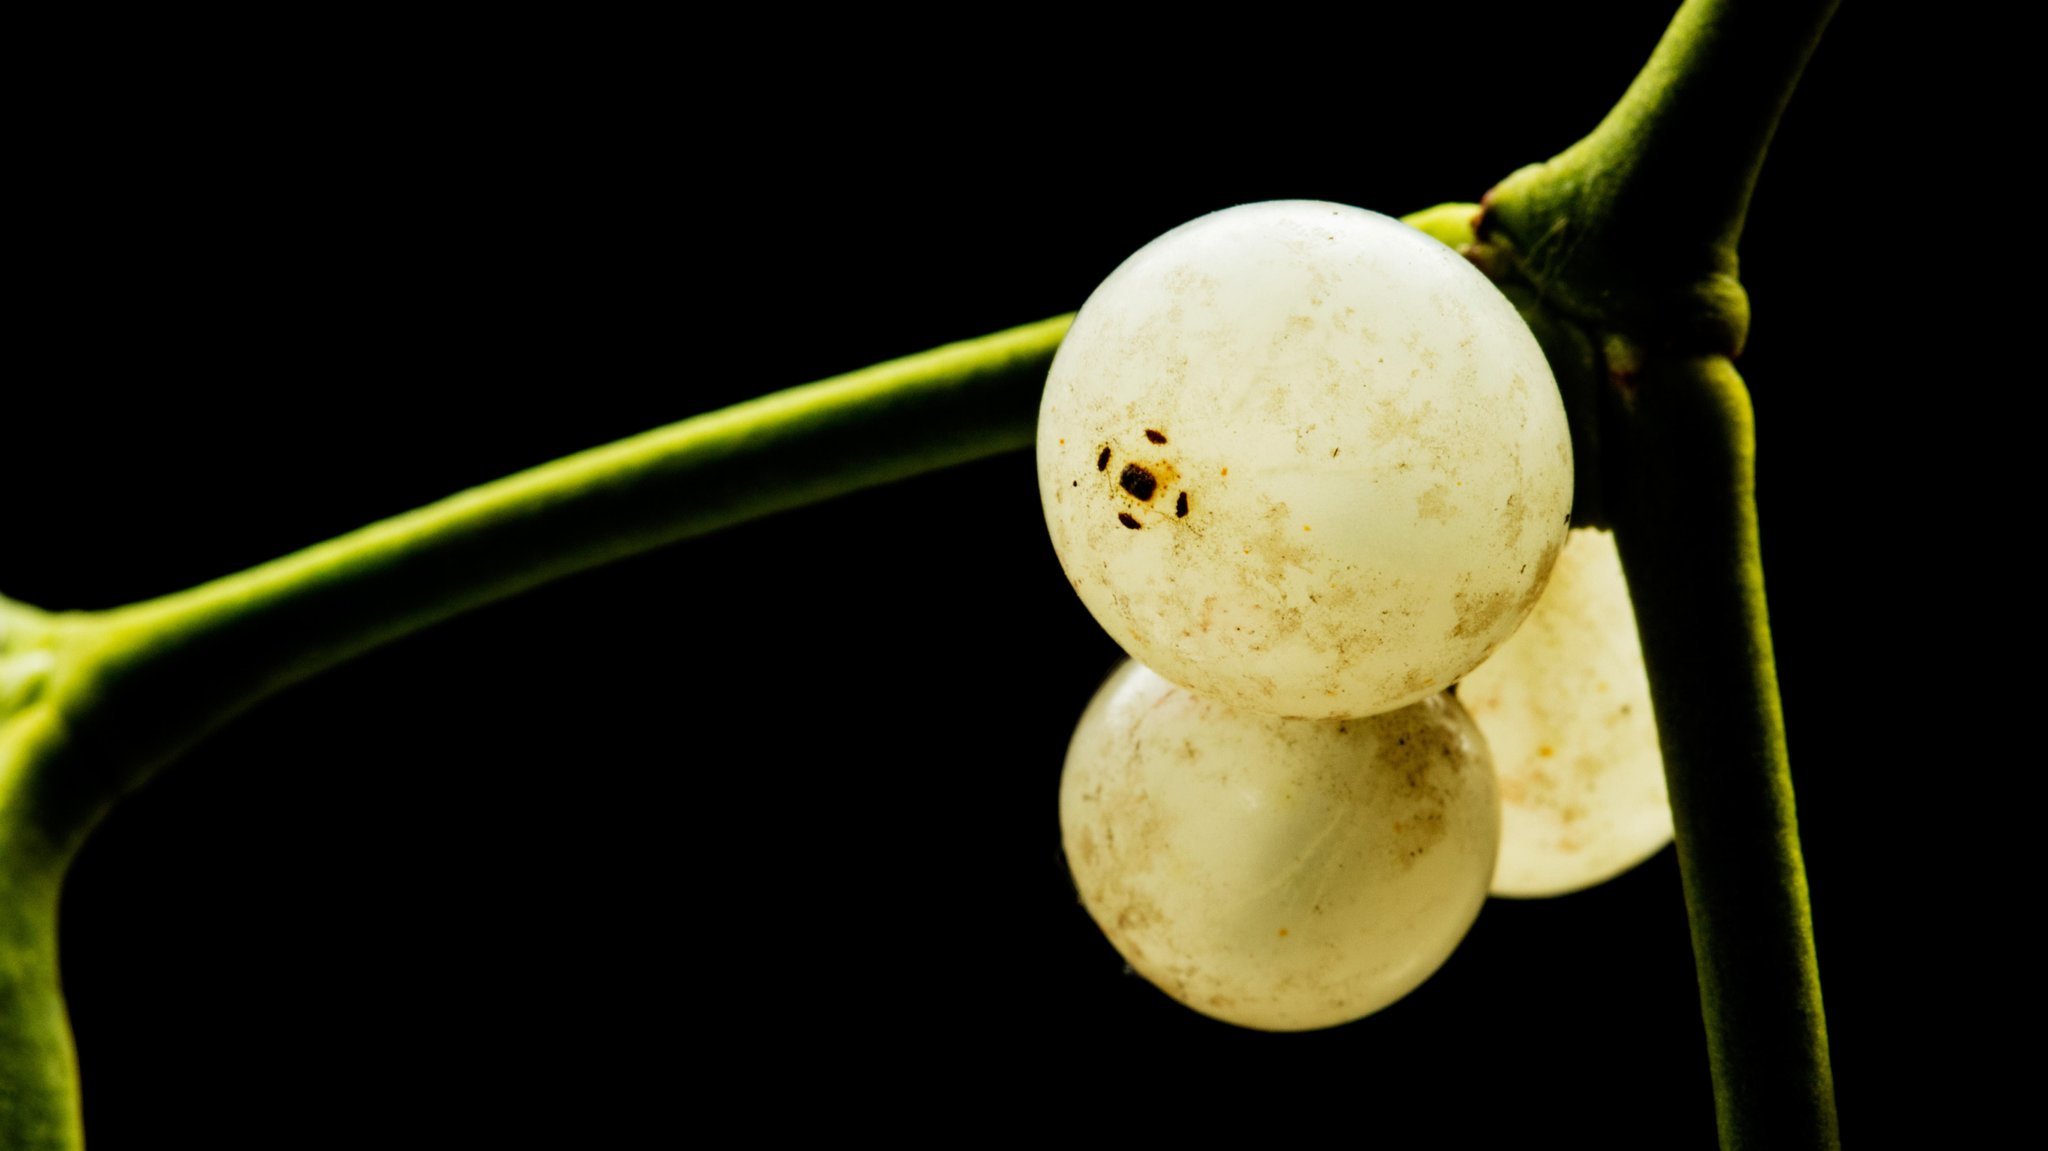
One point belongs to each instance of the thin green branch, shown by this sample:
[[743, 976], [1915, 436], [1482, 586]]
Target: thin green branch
[[276, 624], [1687, 530], [38, 1068], [92, 703]]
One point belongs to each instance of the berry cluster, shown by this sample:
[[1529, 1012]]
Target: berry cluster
[[1310, 469]]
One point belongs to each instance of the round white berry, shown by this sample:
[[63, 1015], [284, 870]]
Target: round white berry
[[1277, 873], [1304, 458]]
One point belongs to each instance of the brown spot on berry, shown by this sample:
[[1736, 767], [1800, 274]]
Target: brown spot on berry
[[1102, 461], [1138, 481], [1155, 436], [1180, 506], [1129, 521]]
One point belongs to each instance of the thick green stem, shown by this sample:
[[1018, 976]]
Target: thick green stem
[[1631, 232], [1685, 521], [1635, 226]]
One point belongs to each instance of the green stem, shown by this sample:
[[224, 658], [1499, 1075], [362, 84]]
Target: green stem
[[92, 703], [1634, 227], [1632, 232], [1687, 530], [273, 625], [38, 1070]]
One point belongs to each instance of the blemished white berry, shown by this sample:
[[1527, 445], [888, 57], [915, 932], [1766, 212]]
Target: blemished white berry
[[1277, 873], [1305, 459], [1565, 705]]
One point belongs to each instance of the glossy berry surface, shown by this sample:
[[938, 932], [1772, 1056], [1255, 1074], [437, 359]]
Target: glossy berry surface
[[1305, 459]]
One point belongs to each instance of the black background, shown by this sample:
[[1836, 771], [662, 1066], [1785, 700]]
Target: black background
[[762, 828]]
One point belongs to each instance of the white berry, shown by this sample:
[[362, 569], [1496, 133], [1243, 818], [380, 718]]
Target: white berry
[[1303, 458], [1277, 873], [1565, 706]]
